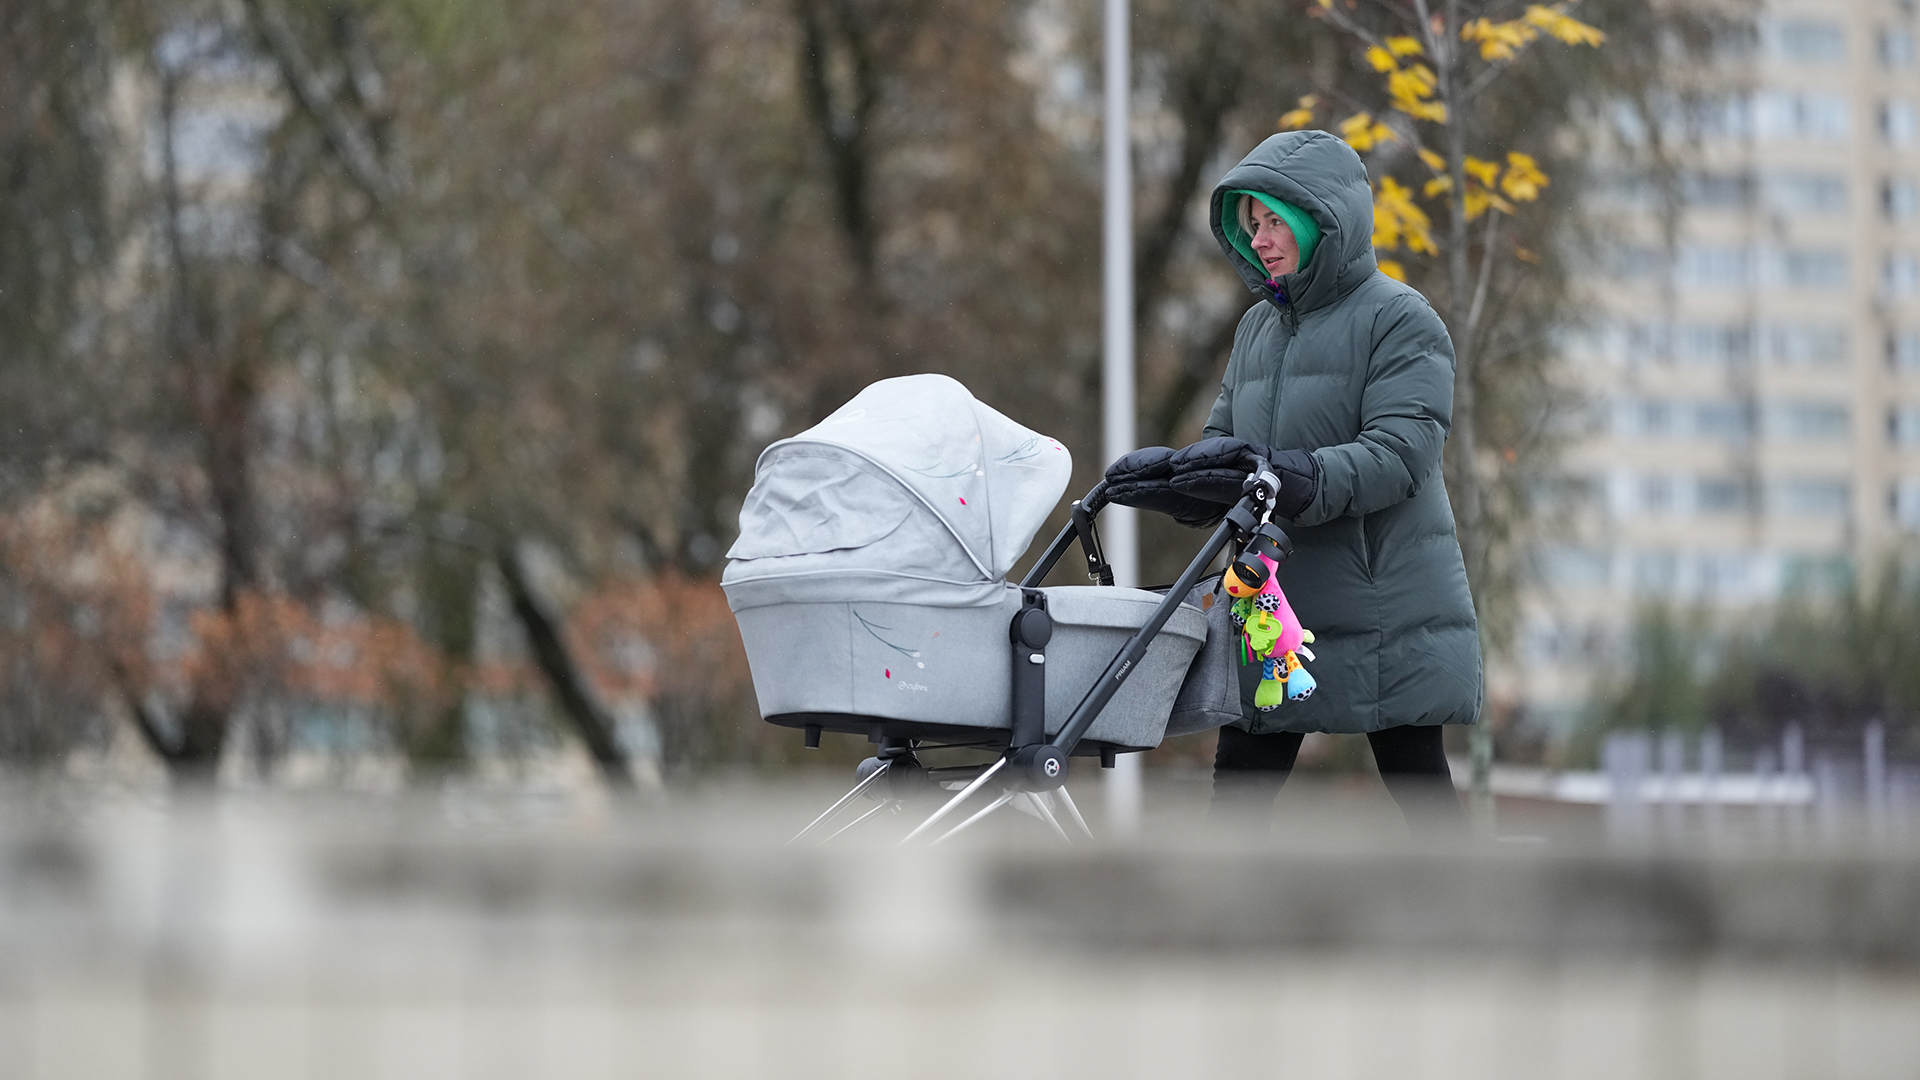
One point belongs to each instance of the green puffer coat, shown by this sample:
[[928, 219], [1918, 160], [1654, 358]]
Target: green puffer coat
[[1356, 367]]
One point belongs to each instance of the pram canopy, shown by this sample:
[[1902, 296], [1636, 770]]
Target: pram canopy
[[913, 492]]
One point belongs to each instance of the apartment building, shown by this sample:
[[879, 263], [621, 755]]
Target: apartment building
[[1753, 388]]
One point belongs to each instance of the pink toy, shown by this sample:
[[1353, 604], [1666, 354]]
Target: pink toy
[[1271, 632]]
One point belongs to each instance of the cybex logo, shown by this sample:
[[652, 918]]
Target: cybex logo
[[1052, 767], [918, 688]]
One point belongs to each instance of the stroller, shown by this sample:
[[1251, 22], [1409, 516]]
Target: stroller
[[869, 582]]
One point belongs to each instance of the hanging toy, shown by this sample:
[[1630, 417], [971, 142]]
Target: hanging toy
[[1271, 634]]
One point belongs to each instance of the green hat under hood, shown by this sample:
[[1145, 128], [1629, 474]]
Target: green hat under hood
[[1306, 231]]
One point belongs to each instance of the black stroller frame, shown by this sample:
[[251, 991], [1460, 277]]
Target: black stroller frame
[[1032, 771]]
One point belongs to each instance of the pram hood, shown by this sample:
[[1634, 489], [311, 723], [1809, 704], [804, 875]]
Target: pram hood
[[913, 492]]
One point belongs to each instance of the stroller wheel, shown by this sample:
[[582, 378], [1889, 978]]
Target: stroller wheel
[[908, 779]]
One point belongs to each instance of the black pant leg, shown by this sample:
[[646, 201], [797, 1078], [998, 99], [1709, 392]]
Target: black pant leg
[[1413, 763], [1248, 771]]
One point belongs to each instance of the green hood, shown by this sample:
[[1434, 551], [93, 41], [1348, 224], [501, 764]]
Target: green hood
[[1306, 231], [1315, 172]]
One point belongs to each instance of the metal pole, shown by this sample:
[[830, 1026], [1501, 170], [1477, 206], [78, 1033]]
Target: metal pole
[[1118, 525]]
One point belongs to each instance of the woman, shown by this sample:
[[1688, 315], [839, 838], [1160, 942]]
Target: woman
[[1343, 378]]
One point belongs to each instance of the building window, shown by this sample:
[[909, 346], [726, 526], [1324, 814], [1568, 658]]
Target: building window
[[1723, 421], [1782, 115], [1897, 123], [1900, 275], [1808, 41], [1811, 345], [1903, 352], [1719, 495], [1811, 497], [1656, 494], [1644, 419], [1718, 191], [1903, 425], [1656, 571], [1896, 47], [1820, 573], [1798, 193], [1706, 345], [1730, 117], [1576, 567], [1714, 267], [1900, 198], [1906, 504], [1703, 267], [1814, 269], [1810, 420], [1648, 343], [1724, 574]]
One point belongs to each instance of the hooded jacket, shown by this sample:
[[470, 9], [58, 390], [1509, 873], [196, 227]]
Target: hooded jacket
[[1346, 362]]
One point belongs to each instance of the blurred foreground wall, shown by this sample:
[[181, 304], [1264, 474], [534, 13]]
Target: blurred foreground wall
[[273, 937]]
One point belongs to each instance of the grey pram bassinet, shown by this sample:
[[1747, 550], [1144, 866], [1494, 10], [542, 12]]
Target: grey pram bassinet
[[869, 582]]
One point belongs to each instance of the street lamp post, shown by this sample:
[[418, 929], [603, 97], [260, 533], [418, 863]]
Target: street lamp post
[[1119, 525]]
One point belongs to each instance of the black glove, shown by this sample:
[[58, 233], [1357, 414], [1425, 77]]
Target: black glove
[[1141, 479], [1216, 469]]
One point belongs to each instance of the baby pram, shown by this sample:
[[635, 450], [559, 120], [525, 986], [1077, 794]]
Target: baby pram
[[869, 584]]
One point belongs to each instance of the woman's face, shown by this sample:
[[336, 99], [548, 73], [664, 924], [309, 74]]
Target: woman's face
[[1279, 252]]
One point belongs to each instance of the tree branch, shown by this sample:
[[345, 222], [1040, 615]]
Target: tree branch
[[556, 661], [356, 150], [844, 131], [1211, 87], [1485, 275]]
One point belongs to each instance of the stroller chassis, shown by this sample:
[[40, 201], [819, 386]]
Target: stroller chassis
[[1035, 769]]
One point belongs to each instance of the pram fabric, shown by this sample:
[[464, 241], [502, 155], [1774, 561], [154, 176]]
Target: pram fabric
[[869, 578]]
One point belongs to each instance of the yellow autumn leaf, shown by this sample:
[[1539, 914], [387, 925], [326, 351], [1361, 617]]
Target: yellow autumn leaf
[[1413, 84], [1363, 132], [1300, 117], [1437, 185], [1326, 3], [1483, 171], [1479, 198], [1524, 179], [1393, 269], [1498, 40], [1397, 219], [1381, 59], [1423, 110], [1558, 23], [1405, 45], [1434, 161], [1386, 219]]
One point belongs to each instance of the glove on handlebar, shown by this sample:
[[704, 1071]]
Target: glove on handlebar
[[1142, 479], [1215, 469]]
